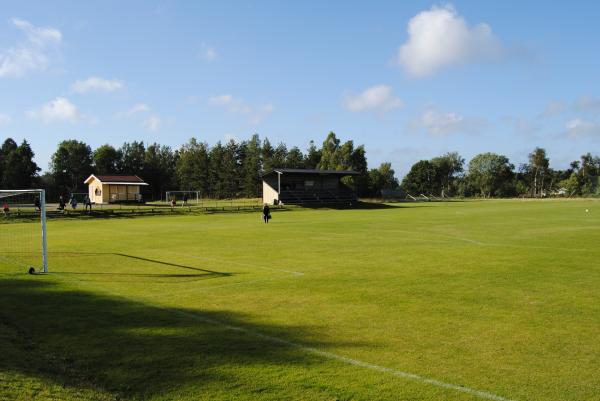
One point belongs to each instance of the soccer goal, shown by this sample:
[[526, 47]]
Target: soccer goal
[[180, 196], [22, 240], [78, 196]]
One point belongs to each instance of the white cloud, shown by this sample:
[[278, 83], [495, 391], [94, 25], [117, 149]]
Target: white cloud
[[138, 108], [95, 84], [437, 123], [208, 53], [554, 108], [577, 128], [256, 114], [30, 55], [40, 36], [587, 104], [232, 104], [152, 122], [440, 37], [57, 110], [4, 119], [261, 113], [231, 137], [376, 98]]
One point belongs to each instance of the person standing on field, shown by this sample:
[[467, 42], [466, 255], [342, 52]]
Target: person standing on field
[[87, 202], [266, 212], [61, 204]]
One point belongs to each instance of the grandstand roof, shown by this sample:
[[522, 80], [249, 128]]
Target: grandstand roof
[[310, 171], [120, 179]]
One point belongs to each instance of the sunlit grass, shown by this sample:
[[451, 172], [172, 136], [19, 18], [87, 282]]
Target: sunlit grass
[[496, 296]]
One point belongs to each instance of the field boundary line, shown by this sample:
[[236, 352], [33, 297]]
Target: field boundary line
[[350, 361], [325, 354]]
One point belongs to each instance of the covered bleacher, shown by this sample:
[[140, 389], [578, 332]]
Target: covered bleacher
[[307, 187]]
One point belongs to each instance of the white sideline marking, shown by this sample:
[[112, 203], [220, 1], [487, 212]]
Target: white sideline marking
[[328, 355]]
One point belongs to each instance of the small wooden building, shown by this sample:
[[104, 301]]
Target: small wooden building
[[114, 188], [306, 186]]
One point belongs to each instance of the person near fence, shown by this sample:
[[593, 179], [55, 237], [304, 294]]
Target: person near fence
[[61, 203], [87, 202]]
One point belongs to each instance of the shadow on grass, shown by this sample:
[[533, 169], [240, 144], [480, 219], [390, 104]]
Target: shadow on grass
[[200, 273], [353, 206], [88, 341]]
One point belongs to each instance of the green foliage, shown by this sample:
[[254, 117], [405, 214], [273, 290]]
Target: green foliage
[[295, 158], [423, 178], [572, 185], [106, 159], [159, 169], [251, 168], [330, 153], [539, 165], [17, 168], [267, 152], [382, 178], [192, 167], [313, 156], [70, 165], [448, 168], [132, 158], [491, 175]]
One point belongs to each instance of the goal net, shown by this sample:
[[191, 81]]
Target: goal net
[[183, 196], [23, 229]]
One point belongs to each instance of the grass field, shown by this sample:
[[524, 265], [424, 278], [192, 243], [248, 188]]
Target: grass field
[[496, 300]]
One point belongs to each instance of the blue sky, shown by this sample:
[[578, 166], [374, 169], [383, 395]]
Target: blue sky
[[409, 79]]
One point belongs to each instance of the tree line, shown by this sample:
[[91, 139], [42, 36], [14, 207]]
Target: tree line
[[233, 169], [492, 175], [224, 170]]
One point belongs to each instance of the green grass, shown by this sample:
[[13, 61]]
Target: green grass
[[497, 296]]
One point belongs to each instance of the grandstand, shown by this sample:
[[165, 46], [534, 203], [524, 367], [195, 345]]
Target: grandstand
[[307, 187]]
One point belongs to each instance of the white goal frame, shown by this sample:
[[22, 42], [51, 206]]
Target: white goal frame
[[197, 194], [42, 195]]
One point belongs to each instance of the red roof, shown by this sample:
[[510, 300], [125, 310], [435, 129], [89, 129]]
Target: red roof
[[117, 178]]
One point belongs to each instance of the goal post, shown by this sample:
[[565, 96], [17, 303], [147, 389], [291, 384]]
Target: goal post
[[20, 242], [192, 196]]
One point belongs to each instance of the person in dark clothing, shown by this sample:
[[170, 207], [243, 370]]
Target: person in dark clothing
[[266, 213], [37, 204], [61, 203], [185, 199], [87, 202]]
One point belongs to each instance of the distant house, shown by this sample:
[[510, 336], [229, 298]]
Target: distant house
[[114, 188], [307, 187]]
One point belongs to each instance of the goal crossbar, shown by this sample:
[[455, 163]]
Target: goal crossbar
[[178, 196]]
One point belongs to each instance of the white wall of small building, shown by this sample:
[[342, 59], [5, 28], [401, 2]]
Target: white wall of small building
[[269, 194]]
